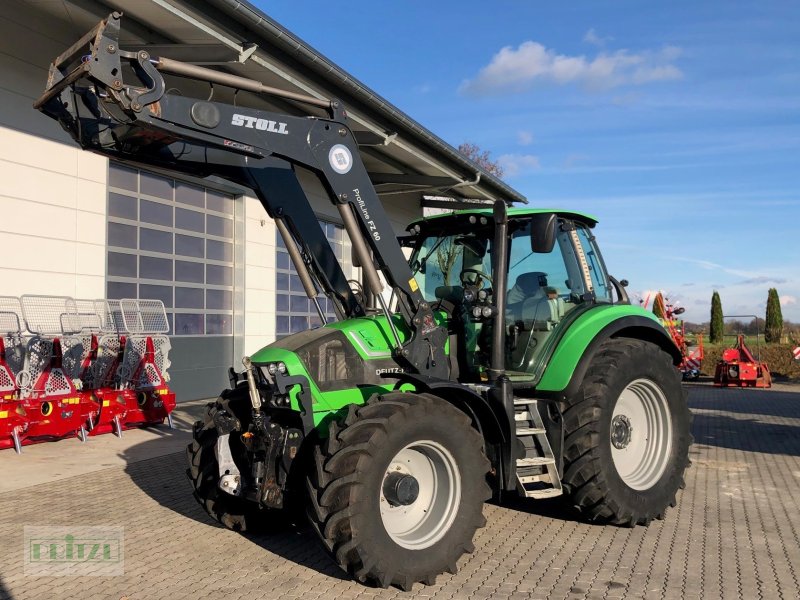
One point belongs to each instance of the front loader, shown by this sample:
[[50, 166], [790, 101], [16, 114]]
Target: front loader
[[506, 362]]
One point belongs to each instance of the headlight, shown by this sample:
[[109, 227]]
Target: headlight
[[282, 368], [486, 312], [272, 368]]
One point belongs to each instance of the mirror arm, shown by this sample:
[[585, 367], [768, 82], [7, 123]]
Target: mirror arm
[[622, 293]]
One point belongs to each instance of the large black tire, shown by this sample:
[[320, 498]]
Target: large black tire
[[600, 489], [233, 512], [345, 488]]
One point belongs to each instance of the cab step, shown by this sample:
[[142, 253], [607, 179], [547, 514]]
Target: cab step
[[537, 471], [536, 461]]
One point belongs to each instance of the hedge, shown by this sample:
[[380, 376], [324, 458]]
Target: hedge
[[777, 356]]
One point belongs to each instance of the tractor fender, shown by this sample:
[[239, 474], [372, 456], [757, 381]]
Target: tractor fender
[[574, 361], [489, 418]]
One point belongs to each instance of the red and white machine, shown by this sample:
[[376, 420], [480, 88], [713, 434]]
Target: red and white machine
[[81, 367], [13, 418], [143, 373], [692, 356], [48, 392], [739, 368]]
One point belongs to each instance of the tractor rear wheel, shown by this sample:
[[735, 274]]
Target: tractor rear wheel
[[233, 512], [627, 435], [397, 491]]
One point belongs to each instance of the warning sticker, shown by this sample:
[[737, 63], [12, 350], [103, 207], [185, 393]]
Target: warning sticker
[[412, 283]]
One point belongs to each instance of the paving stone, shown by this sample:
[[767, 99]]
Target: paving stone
[[733, 533]]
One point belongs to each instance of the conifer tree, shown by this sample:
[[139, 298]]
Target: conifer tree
[[774, 320], [717, 325]]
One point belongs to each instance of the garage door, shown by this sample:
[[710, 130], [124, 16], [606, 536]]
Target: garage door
[[174, 241]]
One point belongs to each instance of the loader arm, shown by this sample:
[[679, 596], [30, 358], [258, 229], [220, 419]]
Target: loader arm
[[137, 121]]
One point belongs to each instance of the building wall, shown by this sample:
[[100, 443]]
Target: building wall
[[53, 196]]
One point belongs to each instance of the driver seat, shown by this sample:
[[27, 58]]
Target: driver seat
[[529, 286]]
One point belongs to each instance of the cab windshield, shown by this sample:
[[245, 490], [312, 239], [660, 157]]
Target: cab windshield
[[542, 288]]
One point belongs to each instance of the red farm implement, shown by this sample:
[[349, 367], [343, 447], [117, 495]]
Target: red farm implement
[[145, 362], [739, 368], [691, 356], [13, 418], [77, 367]]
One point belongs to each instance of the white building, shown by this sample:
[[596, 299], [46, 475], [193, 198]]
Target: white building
[[71, 223]]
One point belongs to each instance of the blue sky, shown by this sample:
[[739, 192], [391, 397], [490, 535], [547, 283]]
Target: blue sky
[[677, 125]]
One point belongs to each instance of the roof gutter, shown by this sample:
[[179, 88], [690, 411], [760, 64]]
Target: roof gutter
[[251, 17]]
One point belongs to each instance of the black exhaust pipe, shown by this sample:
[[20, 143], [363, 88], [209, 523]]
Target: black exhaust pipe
[[497, 363]]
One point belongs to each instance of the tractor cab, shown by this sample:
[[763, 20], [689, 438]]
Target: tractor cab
[[555, 272]]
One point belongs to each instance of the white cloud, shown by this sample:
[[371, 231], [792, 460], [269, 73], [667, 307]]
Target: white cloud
[[517, 69], [518, 164], [787, 300], [423, 88], [524, 138], [762, 279], [592, 38]]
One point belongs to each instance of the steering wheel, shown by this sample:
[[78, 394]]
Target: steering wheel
[[479, 274]]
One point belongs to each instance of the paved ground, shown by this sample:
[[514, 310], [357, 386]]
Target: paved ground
[[734, 533]]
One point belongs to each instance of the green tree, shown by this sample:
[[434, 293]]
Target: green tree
[[774, 320], [717, 325], [658, 306]]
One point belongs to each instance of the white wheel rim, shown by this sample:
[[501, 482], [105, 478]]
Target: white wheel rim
[[641, 434], [428, 518]]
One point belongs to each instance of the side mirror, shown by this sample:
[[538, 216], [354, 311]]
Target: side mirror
[[543, 232], [679, 311], [354, 257]]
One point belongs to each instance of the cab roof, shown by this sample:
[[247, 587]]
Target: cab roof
[[512, 213]]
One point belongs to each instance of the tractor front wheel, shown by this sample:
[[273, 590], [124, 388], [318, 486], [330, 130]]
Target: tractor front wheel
[[397, 491], [627, 435]]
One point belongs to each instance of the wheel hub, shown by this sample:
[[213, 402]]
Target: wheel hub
[[400, 489], [621, 432], [641, 454], [420, 495]]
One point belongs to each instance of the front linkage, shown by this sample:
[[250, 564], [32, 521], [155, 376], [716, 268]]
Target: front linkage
[[271, 445]]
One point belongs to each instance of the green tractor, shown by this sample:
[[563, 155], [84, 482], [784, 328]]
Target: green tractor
[[502, 360], [395, 466]]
